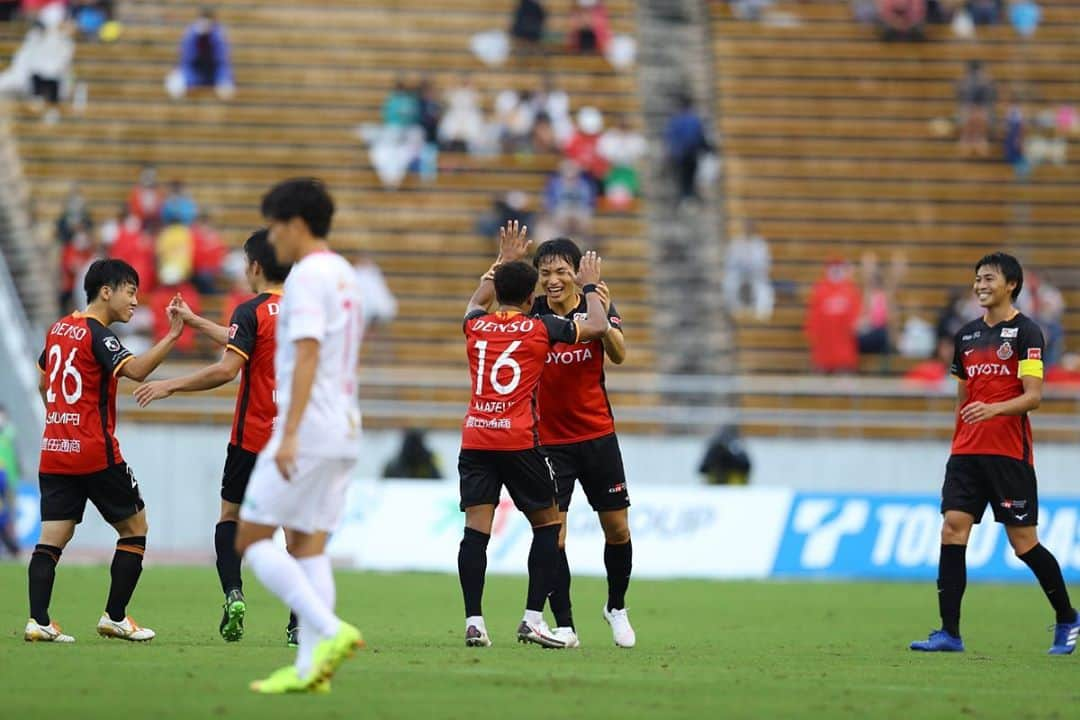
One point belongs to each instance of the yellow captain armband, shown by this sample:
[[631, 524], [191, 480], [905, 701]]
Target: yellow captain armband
[[1031, 368]]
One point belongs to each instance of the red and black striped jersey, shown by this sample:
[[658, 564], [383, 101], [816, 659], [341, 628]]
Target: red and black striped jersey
[[81, 360], [506, 358], [252, 332], [573, 398], [991, 361]]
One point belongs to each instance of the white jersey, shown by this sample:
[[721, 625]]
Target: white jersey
[[321, 302]]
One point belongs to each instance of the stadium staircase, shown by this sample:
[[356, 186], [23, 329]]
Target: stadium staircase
[[827, 145]]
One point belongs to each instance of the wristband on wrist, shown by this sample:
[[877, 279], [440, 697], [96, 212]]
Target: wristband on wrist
[[591, 287]]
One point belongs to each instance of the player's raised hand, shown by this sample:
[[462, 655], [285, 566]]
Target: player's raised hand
[[513, 242], [151, 391], [180, 305], [589, 272], [176, 320], [605, 294]]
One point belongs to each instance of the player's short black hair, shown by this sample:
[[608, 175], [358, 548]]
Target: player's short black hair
[[515, 282], [112, 273], [562, 248], [258, 249], [305, 198], [1009, 267]]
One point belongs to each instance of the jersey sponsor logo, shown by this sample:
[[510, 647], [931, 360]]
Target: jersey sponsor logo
[[485, 424], [59, 418], [988, 369], [232, 331], [972, 336], [61, 446], [568, 357], [63, 329], [521, 325], [1009, 332], [1034, 354], [1005, 351], [581, 316], [112, 344]]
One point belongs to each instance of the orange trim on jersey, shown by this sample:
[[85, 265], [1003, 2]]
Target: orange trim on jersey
[[577, 333], [41, 369], [125, 361], [273, 292], [133, 549], [507, 313], [238, 351]]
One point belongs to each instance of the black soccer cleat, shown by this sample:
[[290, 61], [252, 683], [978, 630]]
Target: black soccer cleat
[[292, 636], [232, 619]]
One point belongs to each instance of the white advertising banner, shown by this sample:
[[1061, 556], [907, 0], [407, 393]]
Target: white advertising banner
[[677, 532]]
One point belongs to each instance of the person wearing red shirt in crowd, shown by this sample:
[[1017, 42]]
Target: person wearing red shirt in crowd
[[135, 246], [998, 361], [583, 146], [577, 431], [80, 457], [161, 298], [147, 197], [590, 28], [831, 318], [74, 258], [249, 342], [209, 256], [935, 370], [500, 446]]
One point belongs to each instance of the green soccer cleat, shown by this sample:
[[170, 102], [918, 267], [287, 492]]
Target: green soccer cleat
[[331, 652], [232, 620], [286, 681]]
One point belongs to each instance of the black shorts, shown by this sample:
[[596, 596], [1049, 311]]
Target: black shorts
[[114, 492], [238, 466], [596, 464], [527, 475], [972, 481]]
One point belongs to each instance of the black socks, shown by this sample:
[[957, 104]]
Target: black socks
[[42, 574], [952, 581], [618, 560], [228, 560], [560, 594], [126, 568], [472, 568], [1045, 566], [543, 561]]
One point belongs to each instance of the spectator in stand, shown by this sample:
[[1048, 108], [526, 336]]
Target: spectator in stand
[[175, 254], [832, 315], [147, 197], [514, 118], [1024, 16], [875, 330], [75, 256], [985, 12], [527, 26], [414, 461], [209, 256], [747, 267], [41, 67], [554, 103], [686, 140], [74, 216], [590, 28], [179, 207], [622, 148], [975, 97], [510, 206], [569, 200], [430, 114], [401, 109], [1041, 301], [377, 303], [960, 309], [900, 19], [934, 370], [205, 59], [110, 229], [135, 246], [400, 140], [462, 126], [583, 147]]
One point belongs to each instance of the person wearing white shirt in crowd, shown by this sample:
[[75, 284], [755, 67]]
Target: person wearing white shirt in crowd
[[747, 265]]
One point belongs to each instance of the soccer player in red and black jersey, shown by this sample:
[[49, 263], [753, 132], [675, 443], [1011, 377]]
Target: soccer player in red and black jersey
[[998, 360], [507, 351], [577, 430], [80, 457], [249, 351]]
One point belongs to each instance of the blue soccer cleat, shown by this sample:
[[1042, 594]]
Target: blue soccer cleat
[[939, 641], [1065, 635]]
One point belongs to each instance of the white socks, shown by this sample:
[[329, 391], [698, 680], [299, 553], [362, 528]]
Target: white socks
[[284, 576], [534, 617], [476, 621], [321, 576]]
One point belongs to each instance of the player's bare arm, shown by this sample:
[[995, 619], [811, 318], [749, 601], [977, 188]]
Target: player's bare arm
[[614, 341], [217, 333], [139, 368], [1025, 403], [595, 324], [513, 246], [307, 361], [223, 371]]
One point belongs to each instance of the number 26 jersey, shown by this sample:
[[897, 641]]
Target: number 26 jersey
[[80, 362], [507, 353]]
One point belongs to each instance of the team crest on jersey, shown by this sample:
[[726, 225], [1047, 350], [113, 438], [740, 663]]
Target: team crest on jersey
[[112, 344], [232, 331], [1005, 351]]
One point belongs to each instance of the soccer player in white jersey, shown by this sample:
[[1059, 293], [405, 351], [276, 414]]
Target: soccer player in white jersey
[[300, 478]]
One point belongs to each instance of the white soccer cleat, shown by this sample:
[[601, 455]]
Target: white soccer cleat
[[566, 636], [125, 630], [476, 637], [620, 627], [539, 634], [45, 633]]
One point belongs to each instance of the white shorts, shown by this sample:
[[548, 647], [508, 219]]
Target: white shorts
[[311, 501]]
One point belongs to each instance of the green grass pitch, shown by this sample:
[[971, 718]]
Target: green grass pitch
[[705, 650]]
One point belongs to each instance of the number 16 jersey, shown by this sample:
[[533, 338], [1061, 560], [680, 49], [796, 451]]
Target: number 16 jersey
[[507, 353], [81, 360]]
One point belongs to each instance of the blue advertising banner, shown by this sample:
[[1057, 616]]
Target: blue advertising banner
[[897, 537]]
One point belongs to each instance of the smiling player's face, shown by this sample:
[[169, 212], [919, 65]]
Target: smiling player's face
[[990, 287], [123, 301], [558, 280]]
